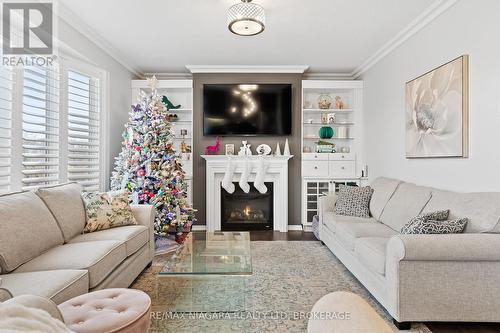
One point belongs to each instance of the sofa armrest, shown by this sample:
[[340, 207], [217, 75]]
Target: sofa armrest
[[424, 272], [145, 215], [450, 247], [37, 302], [327, 203], [5, 295]]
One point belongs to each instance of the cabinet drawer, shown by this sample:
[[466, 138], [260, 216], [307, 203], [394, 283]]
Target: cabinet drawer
[[342, 169], [315, 168], [342, 157], [314, 157]]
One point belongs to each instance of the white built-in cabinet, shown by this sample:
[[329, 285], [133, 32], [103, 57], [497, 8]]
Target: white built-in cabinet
[[322, 173], [178, 92]]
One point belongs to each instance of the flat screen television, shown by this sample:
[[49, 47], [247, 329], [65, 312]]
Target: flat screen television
[[247, 109]]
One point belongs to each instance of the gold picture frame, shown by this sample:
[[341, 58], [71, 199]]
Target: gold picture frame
[[437, 112]]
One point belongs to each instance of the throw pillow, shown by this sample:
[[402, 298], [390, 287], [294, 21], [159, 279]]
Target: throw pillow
[[440, 227], [107, 210], [354, 201], [439, 215]]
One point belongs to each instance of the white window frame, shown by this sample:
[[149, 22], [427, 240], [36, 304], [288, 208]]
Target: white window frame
[[66, 63]]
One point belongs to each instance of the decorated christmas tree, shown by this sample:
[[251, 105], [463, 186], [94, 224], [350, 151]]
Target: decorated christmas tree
[[149, 168]]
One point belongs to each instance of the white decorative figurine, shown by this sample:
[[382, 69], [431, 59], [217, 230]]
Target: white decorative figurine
[[286, 151]]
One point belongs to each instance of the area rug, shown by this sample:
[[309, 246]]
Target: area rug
[[288, 278]]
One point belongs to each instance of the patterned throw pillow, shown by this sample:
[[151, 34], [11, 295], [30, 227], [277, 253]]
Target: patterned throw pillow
[[439, 215], [354, 201], [440, 227], [107, 210]]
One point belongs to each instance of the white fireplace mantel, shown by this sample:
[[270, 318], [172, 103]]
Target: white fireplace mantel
[[277, 173]]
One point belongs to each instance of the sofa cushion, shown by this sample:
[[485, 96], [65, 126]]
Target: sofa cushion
[[383, 189], [428, 227], [99, 258], [27, 229], [134, 237], [66, 204], [407, 202], [354, 201], [330, 219], [58, 285], [482, 209], [348, 232], [371, 251], [105, 210]]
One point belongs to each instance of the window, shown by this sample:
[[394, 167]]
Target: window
[[40, 127], [6, 99], [50, 128], [83, 130]]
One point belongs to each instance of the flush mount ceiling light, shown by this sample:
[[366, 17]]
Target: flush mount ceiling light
[[246, 18]]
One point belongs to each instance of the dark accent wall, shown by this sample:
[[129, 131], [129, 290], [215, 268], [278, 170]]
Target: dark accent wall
[[200, 141]]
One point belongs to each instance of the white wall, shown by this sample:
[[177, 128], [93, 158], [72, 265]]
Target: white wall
[[470, 27], [81, 48]]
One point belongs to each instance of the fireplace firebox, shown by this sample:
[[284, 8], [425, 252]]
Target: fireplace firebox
[[242, 211]]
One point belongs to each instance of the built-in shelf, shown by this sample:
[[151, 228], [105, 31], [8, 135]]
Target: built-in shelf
[[322, 172], [318, 138], [331, 125], [328, 110]]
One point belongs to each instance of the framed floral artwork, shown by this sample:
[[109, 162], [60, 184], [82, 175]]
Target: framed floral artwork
[[437, 112]]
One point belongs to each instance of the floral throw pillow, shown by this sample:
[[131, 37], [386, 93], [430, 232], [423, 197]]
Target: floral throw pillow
[[354, 201], [107, 210], [439, 215]]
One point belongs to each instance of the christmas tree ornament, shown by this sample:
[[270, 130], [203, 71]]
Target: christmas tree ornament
[[169, 105]]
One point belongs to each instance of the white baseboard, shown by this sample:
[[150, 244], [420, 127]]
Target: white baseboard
[[295, 227], [199, 227]]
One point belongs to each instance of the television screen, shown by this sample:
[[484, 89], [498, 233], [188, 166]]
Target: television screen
[[247, 109]]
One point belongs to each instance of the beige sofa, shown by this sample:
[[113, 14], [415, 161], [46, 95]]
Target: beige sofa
[[420, 278], [44, 252]]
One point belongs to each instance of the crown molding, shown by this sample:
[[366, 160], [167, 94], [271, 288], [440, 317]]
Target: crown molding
[[327, 76], [437, 8], [197, 69], [168, 75], [76, 22]]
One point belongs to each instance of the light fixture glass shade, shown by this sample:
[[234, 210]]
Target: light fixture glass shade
[[246, 18]]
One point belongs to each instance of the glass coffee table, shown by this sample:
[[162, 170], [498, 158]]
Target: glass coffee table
[[209, 273]]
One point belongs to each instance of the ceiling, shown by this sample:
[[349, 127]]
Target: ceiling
[[162, 36]]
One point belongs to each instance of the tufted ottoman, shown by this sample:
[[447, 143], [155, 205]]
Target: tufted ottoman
[[345, 312], [108, 310]]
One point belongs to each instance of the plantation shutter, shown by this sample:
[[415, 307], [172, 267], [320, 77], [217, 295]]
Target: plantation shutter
[[6, 101], [83, 130], [40, 127]]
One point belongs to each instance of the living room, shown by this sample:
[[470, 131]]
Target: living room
[[250, 166]]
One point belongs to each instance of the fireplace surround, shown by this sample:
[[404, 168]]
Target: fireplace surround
[[277, 174]]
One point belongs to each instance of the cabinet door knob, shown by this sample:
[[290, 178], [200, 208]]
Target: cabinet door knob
[[343, 156], [316, 168], [343, 168]]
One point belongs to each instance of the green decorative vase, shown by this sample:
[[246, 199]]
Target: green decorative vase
[[326, 132]]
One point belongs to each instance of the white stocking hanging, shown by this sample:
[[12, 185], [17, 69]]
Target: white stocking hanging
[[259, 178], [227, 181], [244, 177]]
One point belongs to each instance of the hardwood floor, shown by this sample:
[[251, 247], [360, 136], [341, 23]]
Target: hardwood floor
[[435, 327]]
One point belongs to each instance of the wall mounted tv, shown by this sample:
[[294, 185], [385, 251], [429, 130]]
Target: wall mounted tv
[[247, 109]]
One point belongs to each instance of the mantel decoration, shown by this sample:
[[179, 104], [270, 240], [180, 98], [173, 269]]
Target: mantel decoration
[[150, 169], [214, 149], [437, 112], [246, 18]]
